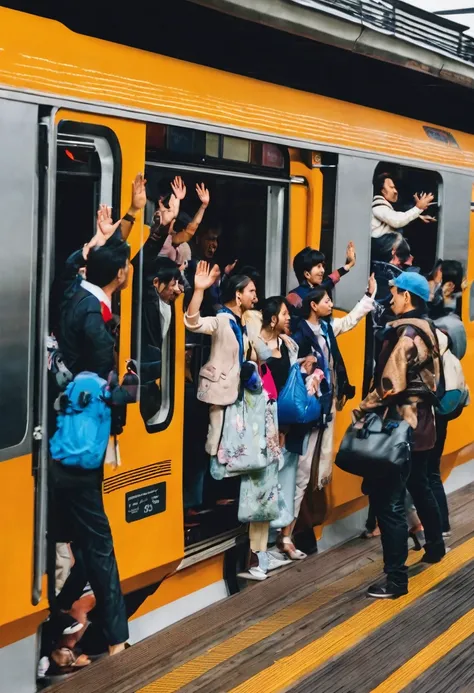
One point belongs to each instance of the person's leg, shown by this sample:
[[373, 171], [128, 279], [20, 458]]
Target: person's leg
[[434, 472], [94, 537], [303, 475], [388, 502], [303, 472], [258, 559], [426, 506]]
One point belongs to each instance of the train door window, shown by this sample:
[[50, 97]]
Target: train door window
[[242, 229], [394, 189], [327, 162], [88, 174]]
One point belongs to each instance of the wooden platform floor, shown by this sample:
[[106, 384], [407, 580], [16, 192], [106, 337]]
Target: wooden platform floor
[[309, 628]]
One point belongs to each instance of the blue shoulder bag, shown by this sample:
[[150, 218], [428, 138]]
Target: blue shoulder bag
[[295, 405]]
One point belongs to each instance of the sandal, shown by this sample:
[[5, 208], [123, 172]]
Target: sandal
[[286, 546], [67, 660], [370, 534]]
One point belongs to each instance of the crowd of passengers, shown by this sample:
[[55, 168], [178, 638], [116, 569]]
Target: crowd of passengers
[[260, 350]]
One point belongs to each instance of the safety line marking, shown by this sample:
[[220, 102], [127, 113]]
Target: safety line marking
[[200, 665], [288, 670], [429, 655]]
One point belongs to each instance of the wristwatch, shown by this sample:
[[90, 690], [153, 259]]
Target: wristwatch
[[128, 217]]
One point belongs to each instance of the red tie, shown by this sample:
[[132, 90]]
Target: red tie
[[106, 312]]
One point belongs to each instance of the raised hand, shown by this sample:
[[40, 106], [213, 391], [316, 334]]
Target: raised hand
[[424, 200], [350, 256], [178, 187], [205, 277], [174, 205], [230, 267], [203, 194], [165, 215], [105, 224], [138, 194], [372, 285]]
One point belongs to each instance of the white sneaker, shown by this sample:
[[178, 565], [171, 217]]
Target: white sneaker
[[276, 559], [43, 666], [253, 574]]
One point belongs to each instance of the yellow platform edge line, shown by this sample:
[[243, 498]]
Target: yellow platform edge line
[[195, 668], [429, 655], [288, 670]]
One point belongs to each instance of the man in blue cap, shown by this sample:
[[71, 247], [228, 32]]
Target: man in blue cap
[[406, 378]]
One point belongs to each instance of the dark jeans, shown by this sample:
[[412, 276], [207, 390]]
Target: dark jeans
[[388, 503], [434, 473], [82, 516]]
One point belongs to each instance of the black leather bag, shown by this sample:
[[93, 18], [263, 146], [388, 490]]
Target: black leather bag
[[376, 448]]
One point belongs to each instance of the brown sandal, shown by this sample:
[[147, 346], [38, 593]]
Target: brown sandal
[[68, 661]]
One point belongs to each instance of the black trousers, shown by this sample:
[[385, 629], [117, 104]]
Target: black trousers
[[83, 519], [388, 503], [434, 473]]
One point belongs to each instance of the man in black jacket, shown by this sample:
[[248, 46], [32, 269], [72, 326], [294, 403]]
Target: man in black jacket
[[88, 343], [161, 287]]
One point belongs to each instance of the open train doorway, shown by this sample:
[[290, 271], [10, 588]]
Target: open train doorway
[[243, 230]]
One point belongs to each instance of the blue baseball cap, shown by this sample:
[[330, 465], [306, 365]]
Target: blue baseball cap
[[414, 283]]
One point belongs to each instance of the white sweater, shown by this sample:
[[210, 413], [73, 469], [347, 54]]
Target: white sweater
[[386, 220]]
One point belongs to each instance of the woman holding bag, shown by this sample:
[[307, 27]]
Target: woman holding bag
[[276, 353], [316, 338], [241, 439], [219, 378]]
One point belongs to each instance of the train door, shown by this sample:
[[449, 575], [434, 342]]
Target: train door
[[456, 243], [244, 222], [20, 476], [96, 159]]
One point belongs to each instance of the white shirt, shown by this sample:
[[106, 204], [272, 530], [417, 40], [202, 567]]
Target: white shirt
[[97, 292], [386, 220]]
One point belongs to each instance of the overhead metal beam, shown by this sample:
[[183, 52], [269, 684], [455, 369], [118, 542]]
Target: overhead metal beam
[[335, 29]]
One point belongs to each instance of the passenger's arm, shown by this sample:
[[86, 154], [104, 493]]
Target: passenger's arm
[[187, 233], [137, 204], [204, 278], [336, 275], [365, 305], [396, 220]]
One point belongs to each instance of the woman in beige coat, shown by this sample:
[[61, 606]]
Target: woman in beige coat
[[219, 378]]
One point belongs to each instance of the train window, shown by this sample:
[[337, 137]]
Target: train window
[[88, 173], [328, 164], [184, 145], [394, 189]]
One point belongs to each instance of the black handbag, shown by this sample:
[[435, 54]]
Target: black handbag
[[376, 447]]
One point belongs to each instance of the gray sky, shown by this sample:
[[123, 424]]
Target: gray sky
[[434, 5]]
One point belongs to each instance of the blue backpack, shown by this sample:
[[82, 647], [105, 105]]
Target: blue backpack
[[83, 425]]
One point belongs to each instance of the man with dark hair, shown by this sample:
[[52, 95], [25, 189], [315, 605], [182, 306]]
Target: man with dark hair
[[406, 380], [161, 290], [384, 217], [447, 286], [309, 266], [87, 341]]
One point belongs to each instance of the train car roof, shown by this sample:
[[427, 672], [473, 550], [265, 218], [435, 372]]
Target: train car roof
[[42, 56]]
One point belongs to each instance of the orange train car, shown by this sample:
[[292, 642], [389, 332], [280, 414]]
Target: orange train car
[[78, 118]]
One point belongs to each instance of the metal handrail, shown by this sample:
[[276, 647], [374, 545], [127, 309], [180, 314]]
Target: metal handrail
[[398, 18]]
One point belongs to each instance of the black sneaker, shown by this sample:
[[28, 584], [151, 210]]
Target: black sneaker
[[434, 556], [388, 591], [65, 624]]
